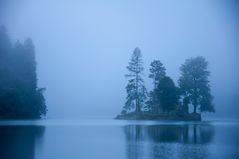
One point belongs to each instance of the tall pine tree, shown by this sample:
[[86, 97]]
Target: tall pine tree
[[136, 91]]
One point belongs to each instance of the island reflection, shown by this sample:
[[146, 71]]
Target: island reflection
[[168, 141]]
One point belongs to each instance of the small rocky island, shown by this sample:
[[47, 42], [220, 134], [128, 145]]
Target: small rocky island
[[150, 116], [166, 101]]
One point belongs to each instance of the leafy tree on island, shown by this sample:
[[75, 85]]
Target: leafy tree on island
[[136, 91], [157, 72], [167, 94], [194, 85]]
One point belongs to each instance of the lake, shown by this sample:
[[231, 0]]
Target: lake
[[115, 139]]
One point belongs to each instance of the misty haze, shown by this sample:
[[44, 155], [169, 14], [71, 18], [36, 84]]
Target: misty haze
[[119, 79]]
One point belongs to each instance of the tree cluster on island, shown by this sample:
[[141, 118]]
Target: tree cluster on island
[[20, 98], [166, 100]]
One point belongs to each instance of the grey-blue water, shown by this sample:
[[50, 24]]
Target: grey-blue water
[[112, 139]]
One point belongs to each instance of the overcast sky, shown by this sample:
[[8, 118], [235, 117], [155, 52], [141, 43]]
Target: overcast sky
[[83, 47]]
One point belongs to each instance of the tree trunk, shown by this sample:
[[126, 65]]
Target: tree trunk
[[195, 103], [194, 108], [137, 110]]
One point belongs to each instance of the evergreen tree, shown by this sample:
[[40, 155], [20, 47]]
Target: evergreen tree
[[194, 84], [31, 63], [136, 91], [157, 72], [5, 50], [5, 43]]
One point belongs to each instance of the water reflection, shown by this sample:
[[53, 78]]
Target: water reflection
[[19, 141], [168, 141]]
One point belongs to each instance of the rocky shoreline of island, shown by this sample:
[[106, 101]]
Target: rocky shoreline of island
[[149, 116]]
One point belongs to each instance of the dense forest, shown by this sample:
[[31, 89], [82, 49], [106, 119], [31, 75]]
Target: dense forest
[[20, 98], [166, 100]]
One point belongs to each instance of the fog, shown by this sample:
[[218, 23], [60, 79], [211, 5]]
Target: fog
[[83, 48]]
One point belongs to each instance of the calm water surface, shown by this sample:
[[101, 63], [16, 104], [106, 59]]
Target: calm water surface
[[112, 139]]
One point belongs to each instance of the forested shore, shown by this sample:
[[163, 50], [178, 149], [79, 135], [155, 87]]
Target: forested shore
[[20, 97]]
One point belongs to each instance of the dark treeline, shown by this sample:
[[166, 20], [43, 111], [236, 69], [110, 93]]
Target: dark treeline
[[166, 99], [19, 95]]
